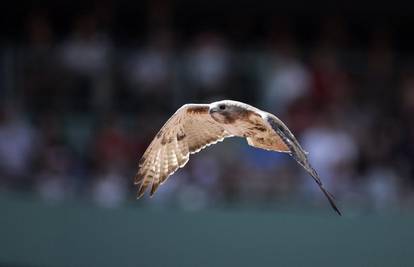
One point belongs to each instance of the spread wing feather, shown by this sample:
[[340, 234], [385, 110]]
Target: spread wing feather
[[297, 152], [192, 128], [188, 131]]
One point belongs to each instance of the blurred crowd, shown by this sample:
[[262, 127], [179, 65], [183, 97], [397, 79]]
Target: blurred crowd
[[78, 109]]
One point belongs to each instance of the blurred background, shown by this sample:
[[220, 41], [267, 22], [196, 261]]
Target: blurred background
[[84, 87]]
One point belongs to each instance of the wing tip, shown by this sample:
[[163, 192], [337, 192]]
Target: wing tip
[[141, 191], [328, 195], [154, 188], [331, 198], [338, 211]]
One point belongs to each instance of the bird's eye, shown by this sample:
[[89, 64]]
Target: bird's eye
[[222, 107]]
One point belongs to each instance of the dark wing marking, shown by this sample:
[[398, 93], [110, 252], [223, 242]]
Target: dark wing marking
[[188, 131], [297, 152]]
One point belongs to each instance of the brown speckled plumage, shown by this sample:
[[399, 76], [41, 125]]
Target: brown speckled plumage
[[195, 126]]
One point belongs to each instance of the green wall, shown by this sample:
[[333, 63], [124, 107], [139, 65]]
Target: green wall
[[35, 234]]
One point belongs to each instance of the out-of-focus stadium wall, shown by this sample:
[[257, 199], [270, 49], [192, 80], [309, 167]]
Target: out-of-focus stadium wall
[[34, 234]]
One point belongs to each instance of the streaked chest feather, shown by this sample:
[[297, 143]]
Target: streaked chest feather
[[247, 128]]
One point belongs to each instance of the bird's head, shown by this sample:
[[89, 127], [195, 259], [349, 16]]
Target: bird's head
[[227, 111]]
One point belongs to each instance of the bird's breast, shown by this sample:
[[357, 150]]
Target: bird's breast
[[244, 128]]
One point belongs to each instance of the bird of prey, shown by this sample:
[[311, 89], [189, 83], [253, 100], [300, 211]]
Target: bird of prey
[[196, 126]]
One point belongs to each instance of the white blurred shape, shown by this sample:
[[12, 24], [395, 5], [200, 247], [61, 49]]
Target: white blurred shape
[[286, 80], [328, 148], [17, 139], [110, 189]]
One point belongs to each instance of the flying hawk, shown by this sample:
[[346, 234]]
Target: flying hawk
[[196, 126]]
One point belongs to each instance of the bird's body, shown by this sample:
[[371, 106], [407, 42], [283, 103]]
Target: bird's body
[[195, 126]]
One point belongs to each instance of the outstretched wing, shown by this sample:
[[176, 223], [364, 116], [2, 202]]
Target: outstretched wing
[[297, 152], [188, 131]]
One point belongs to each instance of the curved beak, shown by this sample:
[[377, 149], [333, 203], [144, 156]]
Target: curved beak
[[213, 110]]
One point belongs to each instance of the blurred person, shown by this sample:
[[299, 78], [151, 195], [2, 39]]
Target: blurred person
[[208, 63], [87, 49], [380, 74], [206, 173], [191, 189], [269, 175], [39, 31], [112, 153], [37, 62], [330, 84], [383, 188], [171, 194], [149, 71], [406, 101], [193, 197], [285, 77], [78, 130], [384, 134], [405, 145], [206, 170], [87, 55], [231, 171], [109, 188], [112, 147], [17, 146], [58, 173], [334, 151], [54, 181]]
